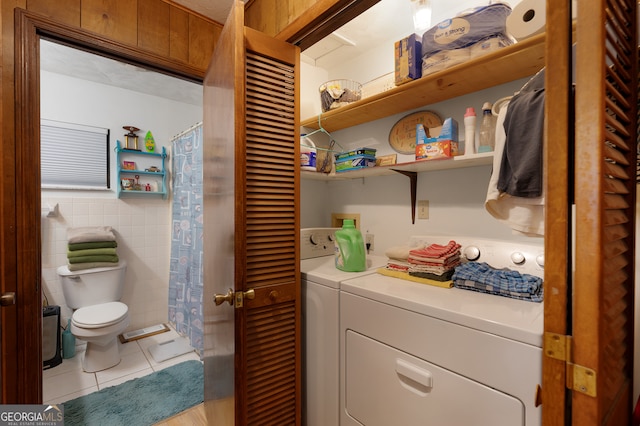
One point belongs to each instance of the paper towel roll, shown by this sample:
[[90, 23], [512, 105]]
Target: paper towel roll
[[527, 19]]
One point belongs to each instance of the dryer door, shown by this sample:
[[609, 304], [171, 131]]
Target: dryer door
[[386, 386]]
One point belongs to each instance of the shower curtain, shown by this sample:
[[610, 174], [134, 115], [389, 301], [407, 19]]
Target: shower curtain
[[185, 281]]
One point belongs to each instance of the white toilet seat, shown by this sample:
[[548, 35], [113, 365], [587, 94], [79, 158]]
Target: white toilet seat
[[100, 316]]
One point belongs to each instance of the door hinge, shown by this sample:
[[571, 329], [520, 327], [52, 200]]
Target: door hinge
[[578, 378], [581, 379]]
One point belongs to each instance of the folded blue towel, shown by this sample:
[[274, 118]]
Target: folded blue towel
[[479, 276]]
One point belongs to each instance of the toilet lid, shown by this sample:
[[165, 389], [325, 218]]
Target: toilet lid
[[101, 315]]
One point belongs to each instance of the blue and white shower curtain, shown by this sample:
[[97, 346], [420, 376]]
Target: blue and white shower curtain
[[185, 282]]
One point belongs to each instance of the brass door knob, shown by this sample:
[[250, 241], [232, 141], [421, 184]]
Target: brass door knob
[[8, 299], [219, 299]]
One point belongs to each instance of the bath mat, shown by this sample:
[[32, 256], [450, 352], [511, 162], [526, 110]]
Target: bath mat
[[142, 401]]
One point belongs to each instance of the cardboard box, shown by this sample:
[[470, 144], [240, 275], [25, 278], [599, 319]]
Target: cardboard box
[[355, 163], [448, 131], [341, 156], [408, 59], [436, 150]]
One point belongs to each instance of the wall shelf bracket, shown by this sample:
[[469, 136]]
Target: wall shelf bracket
[[413, 178]]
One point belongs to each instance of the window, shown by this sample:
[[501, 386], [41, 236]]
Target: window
[[73, 156]]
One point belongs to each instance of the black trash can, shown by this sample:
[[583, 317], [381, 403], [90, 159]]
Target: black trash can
[[51, 347]]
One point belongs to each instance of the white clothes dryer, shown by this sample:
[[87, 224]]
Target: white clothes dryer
[[321, 316], [415, 354]]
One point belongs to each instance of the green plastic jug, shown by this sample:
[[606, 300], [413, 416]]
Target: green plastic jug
[[350, 253]]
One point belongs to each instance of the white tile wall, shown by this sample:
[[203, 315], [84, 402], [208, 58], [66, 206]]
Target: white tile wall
[[142, 226]]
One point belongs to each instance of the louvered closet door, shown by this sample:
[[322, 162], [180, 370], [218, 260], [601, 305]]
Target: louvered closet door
[[600, 353], [271, 334], [251, 226], [606, 110]]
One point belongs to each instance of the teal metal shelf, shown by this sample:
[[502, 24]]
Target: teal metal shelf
[[150, 159]]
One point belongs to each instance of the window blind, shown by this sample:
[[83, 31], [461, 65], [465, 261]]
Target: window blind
[[73, 156]]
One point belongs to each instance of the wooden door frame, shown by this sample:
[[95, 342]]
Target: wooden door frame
[[21, 254]]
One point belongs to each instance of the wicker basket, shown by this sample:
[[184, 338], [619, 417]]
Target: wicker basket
[[336, 93]]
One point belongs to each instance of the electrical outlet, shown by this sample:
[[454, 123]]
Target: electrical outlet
[[423, 209], [368, 242]]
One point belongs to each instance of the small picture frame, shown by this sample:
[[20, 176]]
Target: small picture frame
[[128, 184], [386, 160], [128, 165]]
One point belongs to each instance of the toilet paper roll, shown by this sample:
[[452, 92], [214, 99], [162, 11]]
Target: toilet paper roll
[[527, 19]]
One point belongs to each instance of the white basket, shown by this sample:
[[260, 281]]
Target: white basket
[[336, 93]]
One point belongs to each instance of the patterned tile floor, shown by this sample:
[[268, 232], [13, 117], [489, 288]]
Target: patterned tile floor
[[68, 381]]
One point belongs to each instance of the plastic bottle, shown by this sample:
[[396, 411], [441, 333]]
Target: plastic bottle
[[469, 131], [307, 154], [487, 140], [350, 254], [68, 342]]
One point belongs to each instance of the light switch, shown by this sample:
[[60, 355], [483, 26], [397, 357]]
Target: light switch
[[423, 209]]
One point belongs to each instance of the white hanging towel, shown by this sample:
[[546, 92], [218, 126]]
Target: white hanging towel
[[522, 215]]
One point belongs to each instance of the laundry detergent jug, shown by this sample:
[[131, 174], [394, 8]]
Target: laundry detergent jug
[[350, 253]]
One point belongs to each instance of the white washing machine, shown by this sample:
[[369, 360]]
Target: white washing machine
[[320, 316], [414, 354]]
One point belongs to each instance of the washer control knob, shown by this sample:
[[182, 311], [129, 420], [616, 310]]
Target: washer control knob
[[312, 239], [517, 258], [471, 253], [540, 260]]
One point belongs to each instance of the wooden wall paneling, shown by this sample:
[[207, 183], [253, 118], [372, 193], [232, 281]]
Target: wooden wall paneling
[[154, 26], [297, 8], [178, 34], [272, 16], [202, 40], [114, 19], [65, 11], [260, 15]]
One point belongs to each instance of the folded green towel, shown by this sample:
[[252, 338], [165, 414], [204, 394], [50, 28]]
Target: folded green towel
[[91, 252], [97, 258], [93, 245]]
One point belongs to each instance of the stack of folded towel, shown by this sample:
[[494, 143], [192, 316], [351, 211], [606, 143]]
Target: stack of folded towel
[[91, 247], [398, 258], [479, 276], [435, 262]]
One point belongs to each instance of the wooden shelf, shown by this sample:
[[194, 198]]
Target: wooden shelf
[[472, 160], [520, 60]]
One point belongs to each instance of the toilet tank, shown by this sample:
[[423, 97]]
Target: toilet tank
[[92, 286]]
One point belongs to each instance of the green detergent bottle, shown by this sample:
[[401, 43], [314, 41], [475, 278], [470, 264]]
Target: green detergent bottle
[[350, 253]]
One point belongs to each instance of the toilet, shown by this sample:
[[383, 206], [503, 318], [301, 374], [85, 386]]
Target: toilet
[[98, 315]]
